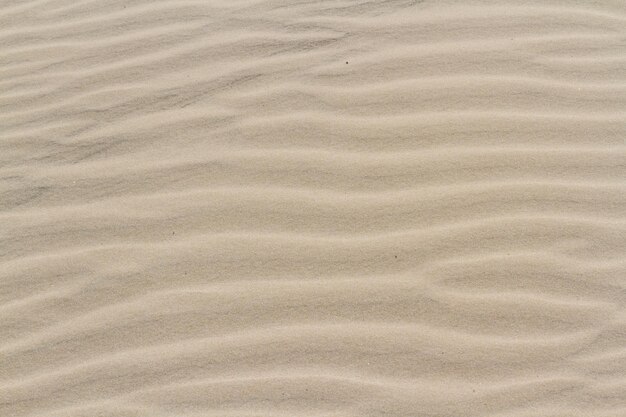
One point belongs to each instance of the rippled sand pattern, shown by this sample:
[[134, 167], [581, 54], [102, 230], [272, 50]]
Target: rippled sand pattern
[[312, 208]]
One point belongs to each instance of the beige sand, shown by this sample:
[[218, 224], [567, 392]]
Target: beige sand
[[312, 208]]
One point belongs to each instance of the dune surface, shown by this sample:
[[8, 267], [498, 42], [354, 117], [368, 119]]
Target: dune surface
[[319, 208]]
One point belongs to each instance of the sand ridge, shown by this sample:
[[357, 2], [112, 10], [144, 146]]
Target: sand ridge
[[320, 208]]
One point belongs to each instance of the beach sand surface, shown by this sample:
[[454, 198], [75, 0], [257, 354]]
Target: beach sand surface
[[246, 208]]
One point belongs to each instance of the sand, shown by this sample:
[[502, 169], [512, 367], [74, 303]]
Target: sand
[[312, 208]]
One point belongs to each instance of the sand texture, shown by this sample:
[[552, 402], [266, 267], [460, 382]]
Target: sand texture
[[330, 208]]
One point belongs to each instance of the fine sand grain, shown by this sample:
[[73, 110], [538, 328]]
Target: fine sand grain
[[329, 208]]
